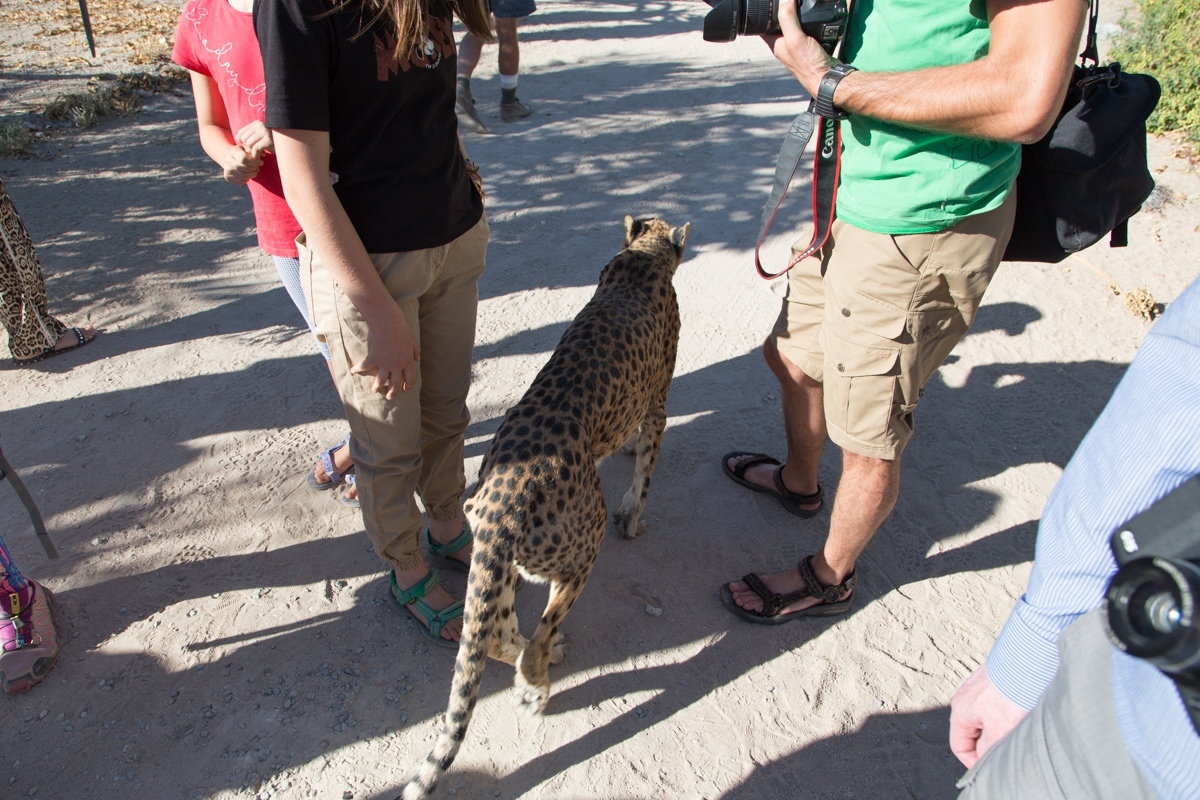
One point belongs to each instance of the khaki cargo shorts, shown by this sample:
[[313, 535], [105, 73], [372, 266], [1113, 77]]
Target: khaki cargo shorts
[[872, 316]]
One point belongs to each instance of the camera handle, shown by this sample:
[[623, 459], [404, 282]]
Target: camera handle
[[821, 114]]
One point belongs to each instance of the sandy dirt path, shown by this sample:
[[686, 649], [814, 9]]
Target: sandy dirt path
[[225, 628]]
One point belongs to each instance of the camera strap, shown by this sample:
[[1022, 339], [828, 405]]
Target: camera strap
[[827, 164]]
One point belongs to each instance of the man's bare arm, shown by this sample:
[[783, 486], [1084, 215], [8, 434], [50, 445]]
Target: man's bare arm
[[1012, 94]]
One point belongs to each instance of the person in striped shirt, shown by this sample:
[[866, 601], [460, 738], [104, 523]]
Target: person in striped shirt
[[1057, 710]]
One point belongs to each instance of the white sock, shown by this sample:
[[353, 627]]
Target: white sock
[[508, 81]]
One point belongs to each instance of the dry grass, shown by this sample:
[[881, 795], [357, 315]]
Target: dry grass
[[143, 29], [104, 98], [133, 38], [15, 139]]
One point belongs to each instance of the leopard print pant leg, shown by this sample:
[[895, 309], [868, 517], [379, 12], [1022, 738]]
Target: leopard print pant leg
[[23, 311]]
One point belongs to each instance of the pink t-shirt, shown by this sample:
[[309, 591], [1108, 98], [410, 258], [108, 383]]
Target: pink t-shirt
[[215, 40]]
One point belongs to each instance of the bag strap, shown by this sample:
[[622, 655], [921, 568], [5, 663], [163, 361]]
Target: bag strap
[[1091, 52], [1119, 237]]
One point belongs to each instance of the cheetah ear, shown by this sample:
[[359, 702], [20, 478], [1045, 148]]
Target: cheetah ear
[[632, 229], [679, 236]]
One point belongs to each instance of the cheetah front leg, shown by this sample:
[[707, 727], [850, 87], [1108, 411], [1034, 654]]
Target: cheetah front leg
[[546, 647], [629, 517]]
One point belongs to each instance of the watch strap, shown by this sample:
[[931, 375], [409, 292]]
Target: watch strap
[[823, 102]]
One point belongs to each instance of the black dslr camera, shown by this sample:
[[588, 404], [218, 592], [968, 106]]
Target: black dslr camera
[[823, 20], [1152, 600]]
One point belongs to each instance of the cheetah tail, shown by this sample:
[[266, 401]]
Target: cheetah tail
[[479, 616]]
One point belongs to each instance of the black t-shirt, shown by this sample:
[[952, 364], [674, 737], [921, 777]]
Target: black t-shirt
[[392, 129]]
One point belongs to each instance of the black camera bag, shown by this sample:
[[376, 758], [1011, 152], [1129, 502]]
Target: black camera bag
[[1088, 176]]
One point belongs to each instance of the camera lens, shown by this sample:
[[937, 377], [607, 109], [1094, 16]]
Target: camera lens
[[1160, 612], [721, 24], [1152, 613], [761, 17]]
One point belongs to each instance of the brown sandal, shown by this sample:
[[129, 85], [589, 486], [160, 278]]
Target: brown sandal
[[832, 603], [790, 500]]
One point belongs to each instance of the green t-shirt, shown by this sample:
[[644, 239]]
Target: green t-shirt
[[902, 180]]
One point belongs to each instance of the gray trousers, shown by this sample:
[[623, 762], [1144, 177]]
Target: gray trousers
[[1069, 746]]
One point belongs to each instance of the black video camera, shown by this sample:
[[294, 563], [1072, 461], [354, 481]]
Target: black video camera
[[1152, 600], [823, 20]]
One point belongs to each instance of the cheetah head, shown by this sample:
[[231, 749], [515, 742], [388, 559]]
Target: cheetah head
[[652, 228]]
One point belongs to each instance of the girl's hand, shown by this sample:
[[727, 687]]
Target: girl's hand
[[240, 166], [255, 137], [392, 353]]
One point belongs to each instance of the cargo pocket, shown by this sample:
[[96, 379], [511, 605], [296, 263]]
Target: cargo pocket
[[847, 307], [860, 388]]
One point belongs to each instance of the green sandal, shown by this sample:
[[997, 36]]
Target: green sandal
[[412, 597], [439, 554]]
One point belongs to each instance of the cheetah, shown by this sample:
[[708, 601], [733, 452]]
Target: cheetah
[[537, 510]]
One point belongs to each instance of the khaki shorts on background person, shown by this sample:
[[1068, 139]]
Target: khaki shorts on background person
[[872, 317]]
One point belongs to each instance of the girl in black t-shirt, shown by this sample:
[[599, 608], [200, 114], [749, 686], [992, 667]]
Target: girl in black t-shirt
[[360, 99]]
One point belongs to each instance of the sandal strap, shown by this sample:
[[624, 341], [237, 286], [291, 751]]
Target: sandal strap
[[450, 548], [828, 593], [751, 460], [417, 590], [438, 619], [327, 461], [772, 603], [796, 497]]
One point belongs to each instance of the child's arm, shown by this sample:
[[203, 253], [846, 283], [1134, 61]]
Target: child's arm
[[237, 163], [392, 349]]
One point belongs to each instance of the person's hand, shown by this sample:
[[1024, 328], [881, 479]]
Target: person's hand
[[980, 716], [255, 137], [239, 166], [392, 353], [800, 53]]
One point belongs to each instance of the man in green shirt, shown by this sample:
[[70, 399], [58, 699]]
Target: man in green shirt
[[943, 94]]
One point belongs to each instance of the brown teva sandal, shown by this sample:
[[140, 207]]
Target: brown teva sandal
[[831, 604], [786, 497]]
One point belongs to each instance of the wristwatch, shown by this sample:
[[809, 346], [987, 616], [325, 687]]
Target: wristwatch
[[823, 102]]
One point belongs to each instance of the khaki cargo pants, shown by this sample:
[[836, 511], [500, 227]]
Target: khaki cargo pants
[[412, 445]]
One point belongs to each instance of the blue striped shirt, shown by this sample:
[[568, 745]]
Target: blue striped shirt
[[1144, 444]]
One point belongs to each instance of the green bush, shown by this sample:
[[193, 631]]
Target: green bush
[[1163, 42]]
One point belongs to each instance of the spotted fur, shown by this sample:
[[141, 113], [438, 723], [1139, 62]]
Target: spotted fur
[[538, 509], [23, 311]]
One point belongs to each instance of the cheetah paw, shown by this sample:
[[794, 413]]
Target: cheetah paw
[[558, 650], [531, 700], [629, 523]]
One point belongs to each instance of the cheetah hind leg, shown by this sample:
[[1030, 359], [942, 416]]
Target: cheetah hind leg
[[629, 518], [630, 446], [507, 641], [533, 677]]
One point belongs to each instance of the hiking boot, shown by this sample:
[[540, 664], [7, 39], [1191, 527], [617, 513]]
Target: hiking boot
[[468, 117], [28, 640], [513, 110]]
